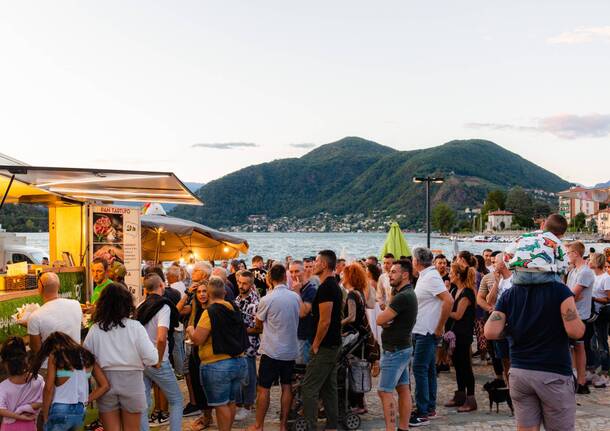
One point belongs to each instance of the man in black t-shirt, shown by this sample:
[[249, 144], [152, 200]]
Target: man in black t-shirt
[[258, 270], [321, 375]]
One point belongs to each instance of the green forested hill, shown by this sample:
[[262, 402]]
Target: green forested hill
[[355, 175], [24, 218]]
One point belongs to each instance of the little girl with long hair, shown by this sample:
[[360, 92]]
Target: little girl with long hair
[[66, 391], [20, 397]]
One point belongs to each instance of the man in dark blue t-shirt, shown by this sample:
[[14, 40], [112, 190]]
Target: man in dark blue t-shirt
[[538, 321], [306, 288]]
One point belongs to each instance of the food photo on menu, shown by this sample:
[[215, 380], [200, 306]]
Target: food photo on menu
[[107, 228]]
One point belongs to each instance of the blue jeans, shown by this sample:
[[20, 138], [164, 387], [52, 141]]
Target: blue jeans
[[247, 393], [424, 371], [222, 380], [165, 378], [304, 348], [178, 353], [394, 369], [65, 417]]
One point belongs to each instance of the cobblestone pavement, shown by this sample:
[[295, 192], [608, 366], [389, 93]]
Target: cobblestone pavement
[[593, 413]]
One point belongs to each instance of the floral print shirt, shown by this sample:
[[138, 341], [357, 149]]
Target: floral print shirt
[[248, 307], [539, 251]]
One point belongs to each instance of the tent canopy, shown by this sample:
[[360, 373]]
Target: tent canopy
[[395, 243], [174, 238], [44, 185]]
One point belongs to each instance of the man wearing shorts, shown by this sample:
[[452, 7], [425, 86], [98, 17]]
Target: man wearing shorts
[[539, 320], [278, 313], [397, 321], [580, 281]]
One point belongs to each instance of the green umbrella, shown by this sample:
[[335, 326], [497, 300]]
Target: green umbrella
[[395, 243]]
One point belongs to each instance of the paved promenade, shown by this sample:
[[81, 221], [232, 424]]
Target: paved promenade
[[593, 412]]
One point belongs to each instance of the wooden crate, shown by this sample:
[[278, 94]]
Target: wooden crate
[[14, 282]]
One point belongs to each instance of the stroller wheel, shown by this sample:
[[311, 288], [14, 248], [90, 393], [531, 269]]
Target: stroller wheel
[[351, 421], [300, 424]]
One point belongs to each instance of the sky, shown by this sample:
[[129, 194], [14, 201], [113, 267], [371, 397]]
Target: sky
[[204, 88]]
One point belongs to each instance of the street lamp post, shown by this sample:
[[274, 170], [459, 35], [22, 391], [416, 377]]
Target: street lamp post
[[428, 180]]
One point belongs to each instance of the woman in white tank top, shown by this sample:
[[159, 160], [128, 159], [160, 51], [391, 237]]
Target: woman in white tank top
[[67, 382]]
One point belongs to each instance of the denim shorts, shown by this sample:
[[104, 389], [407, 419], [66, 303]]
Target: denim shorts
[[394, 369], [65, 417], [222, 380]]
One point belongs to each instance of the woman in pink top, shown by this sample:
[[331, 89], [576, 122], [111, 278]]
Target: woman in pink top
[[20, 398]]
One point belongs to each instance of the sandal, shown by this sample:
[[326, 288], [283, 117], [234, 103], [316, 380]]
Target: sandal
[[202, 422]]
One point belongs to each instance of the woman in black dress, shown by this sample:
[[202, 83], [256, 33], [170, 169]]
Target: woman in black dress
[[355, 321], [461, 323]]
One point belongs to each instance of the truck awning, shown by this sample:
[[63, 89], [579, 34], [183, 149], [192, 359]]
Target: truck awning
[[36, 184]]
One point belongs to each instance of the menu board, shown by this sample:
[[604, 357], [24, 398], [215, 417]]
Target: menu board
[[115, 237]]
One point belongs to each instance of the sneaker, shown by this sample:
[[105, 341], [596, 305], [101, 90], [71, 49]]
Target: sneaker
[[242, 414], [191, 410], [599, 381], [417, 421], [583, 390], [152, 419], [162, 419]]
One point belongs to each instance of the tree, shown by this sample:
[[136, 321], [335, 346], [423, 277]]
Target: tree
[[443, 218], [579, 222], [542, 209], [521, 204], [496, 200], [29, 225], [592, 225]]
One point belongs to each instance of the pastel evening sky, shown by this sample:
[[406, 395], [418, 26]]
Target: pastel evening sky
[[203, 88]]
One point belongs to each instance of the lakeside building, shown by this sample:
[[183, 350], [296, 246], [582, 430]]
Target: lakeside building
[[499, 220], [603, 223], [569, 205]]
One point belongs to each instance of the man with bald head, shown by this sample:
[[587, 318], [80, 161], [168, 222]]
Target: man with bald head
[[56, 314]]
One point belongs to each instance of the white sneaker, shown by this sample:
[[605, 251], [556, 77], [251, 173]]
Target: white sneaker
[[600, 381], [589, 377], [242, 414]]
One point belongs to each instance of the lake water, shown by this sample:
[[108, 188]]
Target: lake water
[[277, 245]]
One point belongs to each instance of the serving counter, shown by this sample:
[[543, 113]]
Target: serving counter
[[72, 280]]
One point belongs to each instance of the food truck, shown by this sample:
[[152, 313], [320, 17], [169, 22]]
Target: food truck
[[83, 224]]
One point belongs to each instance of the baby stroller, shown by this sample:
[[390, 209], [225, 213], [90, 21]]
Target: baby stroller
[[350, 375]]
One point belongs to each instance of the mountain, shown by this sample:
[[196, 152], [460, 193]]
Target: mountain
[[194, 187], [354, 175], [606, 184]]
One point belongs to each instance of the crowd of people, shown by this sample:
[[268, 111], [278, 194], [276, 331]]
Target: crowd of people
[[536, 311]]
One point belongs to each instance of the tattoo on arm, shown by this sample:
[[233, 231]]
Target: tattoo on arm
[[495, 316], [569, 315]]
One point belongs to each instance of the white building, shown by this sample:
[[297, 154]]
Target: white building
[[603, 222], [499, 220]]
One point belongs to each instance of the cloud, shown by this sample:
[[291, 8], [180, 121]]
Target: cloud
[[581, 35], [225, 145], [303, 145], [565, 126], [577, 126], [501, 126]]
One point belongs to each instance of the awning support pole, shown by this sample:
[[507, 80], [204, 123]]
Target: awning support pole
[[158, 250], [10, 183]]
